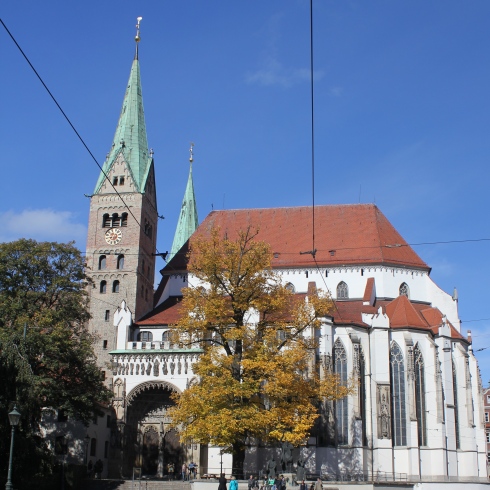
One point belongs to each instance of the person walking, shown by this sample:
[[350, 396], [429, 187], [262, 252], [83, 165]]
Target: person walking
[[283, 482], [192, 470], [222, 482], [303, 485], [184, 472], [98, 467], [252, 483], [319, 484], [233, 484]]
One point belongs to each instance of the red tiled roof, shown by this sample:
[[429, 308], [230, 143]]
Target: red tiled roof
[[344, 235], [167, 313], [349, 312], [454, 333], [402, 314], [400, 311], [433, 317]]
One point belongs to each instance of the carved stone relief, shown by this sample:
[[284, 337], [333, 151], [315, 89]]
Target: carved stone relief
[[383, 410]]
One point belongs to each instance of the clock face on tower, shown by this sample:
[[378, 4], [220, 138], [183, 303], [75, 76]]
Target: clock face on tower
[[113, 236]]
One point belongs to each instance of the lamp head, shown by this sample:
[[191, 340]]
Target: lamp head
[[14, 417]]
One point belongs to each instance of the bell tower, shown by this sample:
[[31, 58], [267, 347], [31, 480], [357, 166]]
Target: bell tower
[[122, 226]]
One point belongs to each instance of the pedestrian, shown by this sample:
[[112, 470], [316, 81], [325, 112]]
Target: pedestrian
[[283, 482], [222, 482], [252, 483], [184, 472], [192, 469], [277, 483], [171, 470], [303, 485], [233, 484], [319, 484], [98, 467]]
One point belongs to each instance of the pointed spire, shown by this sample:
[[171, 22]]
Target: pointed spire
[[188, 220], [130, 138]]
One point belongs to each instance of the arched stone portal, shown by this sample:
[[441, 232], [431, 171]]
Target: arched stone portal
[[150, 444]]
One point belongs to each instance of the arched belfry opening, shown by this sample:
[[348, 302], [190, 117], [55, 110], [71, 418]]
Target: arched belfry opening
[[151, 445]]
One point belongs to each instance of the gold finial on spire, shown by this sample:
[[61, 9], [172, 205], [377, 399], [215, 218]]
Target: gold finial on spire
[[137, 37], [191, 153]]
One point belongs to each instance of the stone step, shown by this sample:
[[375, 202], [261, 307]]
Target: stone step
[[136, 485]]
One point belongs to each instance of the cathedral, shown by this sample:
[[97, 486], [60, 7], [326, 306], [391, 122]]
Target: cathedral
[[416, 414]]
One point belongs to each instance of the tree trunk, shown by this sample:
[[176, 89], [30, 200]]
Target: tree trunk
[[238, 460]]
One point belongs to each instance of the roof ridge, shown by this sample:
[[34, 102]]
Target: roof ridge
[[305, 206]]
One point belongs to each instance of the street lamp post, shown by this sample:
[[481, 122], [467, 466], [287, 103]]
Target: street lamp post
[[14, 417]]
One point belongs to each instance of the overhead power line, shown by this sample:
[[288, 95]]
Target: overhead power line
[[70, 123]]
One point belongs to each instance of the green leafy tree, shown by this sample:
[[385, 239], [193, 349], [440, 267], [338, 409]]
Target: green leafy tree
[[257, 378], [46, 354]]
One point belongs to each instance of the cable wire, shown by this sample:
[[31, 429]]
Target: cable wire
[[69, 122]]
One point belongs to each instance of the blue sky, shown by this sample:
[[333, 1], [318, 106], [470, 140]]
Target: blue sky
[[402, 115]]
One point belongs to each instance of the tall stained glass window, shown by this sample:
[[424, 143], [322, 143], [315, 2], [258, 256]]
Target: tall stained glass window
[[456, 411], [341, 406], [420, 396], [398, 396]]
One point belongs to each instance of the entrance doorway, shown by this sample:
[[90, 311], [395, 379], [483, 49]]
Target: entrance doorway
[[150, 444], [150, 452]]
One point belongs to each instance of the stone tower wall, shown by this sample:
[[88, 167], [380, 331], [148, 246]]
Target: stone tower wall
[[136, 278]]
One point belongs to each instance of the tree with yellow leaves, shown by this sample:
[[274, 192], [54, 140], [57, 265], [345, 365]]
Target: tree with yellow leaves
[[257, 378]]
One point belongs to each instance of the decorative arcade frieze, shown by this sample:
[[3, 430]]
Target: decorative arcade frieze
[[153, 364]]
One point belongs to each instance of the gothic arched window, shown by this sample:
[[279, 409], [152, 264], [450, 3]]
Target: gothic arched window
[[120, 262], [361, 389], [102, 262], [456, 409], [418, 361], [115, 287], [404, 291], [342, 291], [341, 406], [103, 287], [398, 396], [166, 336]]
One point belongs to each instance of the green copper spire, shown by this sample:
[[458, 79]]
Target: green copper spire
[[130, 138], [188, 221]]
